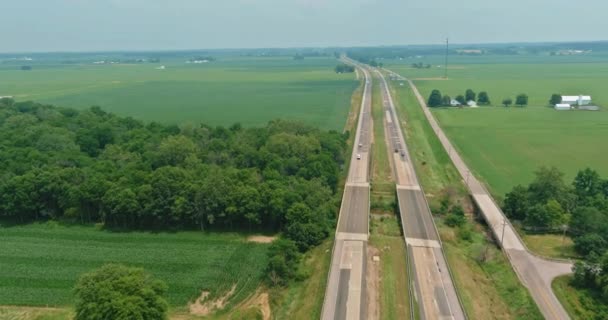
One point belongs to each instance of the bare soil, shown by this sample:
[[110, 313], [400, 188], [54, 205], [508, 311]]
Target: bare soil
[[261, 239], [200, 307]]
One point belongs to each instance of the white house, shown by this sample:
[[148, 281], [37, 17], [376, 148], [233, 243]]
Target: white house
[[455, 103], [563, 106], [472, 104], [576, 100]]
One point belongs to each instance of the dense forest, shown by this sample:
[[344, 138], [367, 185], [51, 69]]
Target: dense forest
[[579, 208], [95, 167]]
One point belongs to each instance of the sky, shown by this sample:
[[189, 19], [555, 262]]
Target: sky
[[104, 25]]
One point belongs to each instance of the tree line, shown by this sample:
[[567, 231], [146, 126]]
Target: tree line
[[580, 207], [344, 68], [92, 166], [436, 99]]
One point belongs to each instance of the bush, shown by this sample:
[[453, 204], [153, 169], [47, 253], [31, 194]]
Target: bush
[[283, 260], [121, 293], [465, 233], [454, 220]]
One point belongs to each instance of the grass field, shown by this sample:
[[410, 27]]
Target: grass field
[[551, 245], [40, 263], [247, 90], [504, 146], [489, 289]]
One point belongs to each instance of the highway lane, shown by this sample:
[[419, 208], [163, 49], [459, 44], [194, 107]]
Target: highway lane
[[534, 272], [345, 294], [435, 293]]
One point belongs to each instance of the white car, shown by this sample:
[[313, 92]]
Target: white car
[[358, 156]]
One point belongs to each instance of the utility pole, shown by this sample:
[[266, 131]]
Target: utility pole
[[447, 47]]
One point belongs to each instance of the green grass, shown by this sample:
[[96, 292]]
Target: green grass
[[504, 146], [304, 299], [393, 285], [579, 303], [247, 90], [40, 263], [489, 289], [550, 245], [383, 186]]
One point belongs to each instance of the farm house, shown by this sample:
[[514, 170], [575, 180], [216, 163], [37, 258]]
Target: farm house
[[579, 102]]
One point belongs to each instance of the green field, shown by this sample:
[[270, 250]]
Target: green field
[[233, 89], [40, 263], [506, 145]]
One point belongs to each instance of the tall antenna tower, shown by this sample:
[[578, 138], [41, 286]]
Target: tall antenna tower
[[447, 47]]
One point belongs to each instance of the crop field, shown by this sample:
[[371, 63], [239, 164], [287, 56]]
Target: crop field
[[249, 90], [506, 145], [40, 263]]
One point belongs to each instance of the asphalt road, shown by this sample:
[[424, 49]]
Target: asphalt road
[[345, 294], [434, 293], [534, 272]]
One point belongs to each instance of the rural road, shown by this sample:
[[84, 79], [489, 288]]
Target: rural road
[[534, 272], [345, 294], [435, 292]]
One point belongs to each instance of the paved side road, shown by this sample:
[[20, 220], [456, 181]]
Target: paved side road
[[345, 294], [435, 292], [534, 272]]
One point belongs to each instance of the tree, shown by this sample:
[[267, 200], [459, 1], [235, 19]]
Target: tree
[[587, 183], [460, 98], [446, 100], [303, 226], [547, 184], [121, 293], [283, 258], [435, 98], [470, 95], [507, 102], [483, 98], [590, 243], [516, 203], [521, 100], [555, 99]]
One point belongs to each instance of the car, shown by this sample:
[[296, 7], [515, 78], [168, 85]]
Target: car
[[396, 150], [360, 145], [358, 156]]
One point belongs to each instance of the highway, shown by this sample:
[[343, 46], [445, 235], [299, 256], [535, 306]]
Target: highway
[[534, 272], [434, 290], [345, 294]]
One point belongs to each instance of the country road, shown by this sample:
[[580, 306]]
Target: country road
[[535, 273], [345, 294], [435, 292]]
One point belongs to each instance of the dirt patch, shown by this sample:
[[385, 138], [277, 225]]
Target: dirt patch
[[261, 239], [200, 307], [261, 302], [373, 284]]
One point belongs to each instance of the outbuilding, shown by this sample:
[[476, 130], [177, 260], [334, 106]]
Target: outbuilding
[[576, 100], [563, 106]]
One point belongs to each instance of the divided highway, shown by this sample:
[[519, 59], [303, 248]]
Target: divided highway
[[345, 295], [434, 289], [534, 272]]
